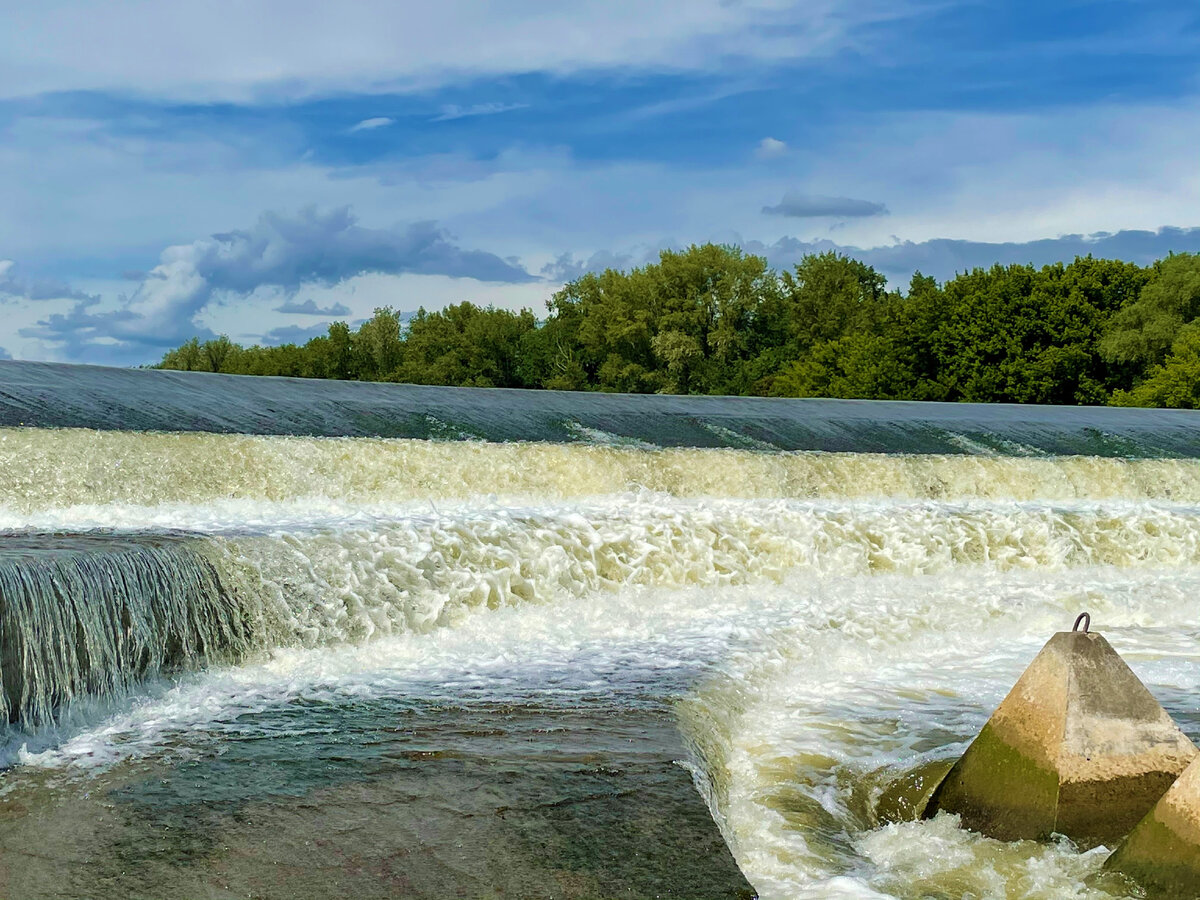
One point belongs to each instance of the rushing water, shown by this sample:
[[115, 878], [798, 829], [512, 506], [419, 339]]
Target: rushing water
[[367, 661]]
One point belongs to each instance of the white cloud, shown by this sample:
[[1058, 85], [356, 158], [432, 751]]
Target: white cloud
[[278, 251], [453, 111], [123, 200], [250, 319], [997, 177], [771, 148], [372, 124], [237, 49]]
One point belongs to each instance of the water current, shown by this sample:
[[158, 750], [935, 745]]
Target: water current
[[242, 665]]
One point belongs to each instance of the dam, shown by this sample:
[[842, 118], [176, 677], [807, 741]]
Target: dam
[[289, 638]]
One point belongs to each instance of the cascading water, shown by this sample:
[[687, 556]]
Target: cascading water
[[329, 621], [84, 617]]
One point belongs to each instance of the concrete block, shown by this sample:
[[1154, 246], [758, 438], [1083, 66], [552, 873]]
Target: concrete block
[[1162, 853], [1078, 747]]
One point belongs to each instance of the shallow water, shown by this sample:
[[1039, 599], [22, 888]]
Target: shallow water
[[605, 644]]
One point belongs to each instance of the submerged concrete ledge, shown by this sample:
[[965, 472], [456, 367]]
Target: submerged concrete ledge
[[415, 800], [59, 395]]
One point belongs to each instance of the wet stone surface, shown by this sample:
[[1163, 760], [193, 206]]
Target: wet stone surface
[[388, 799]]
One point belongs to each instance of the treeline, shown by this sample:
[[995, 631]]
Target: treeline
[[713, 320]]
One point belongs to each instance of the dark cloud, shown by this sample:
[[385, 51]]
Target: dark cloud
[[79, 331], [279, 251], [325, 248], [4, 354], [813, 206], [294, 334], [567, 268], [310, 308], [943, 257], [35, 289]]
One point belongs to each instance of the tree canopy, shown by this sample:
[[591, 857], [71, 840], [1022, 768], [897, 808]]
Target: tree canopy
[[712, 319]]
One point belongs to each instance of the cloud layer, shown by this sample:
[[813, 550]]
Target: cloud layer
[[372, 123], [543, 128], [942, 257], [230, 49]]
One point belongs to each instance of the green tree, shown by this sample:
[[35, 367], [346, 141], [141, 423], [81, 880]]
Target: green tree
[[685, 323], [711, 319], [378, 345], [218, 351], [339, 359], [828, 295], [187, 356], [465, 345], [1023, 335], [1144, 330], [823, 298], [855, 366], [1176, 381]]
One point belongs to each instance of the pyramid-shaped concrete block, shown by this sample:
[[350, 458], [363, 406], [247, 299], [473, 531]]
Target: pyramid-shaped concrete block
[[1162, 852], [1078, 747]]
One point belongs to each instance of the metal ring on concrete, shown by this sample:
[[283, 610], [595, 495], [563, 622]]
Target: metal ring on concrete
[[1086, 619]]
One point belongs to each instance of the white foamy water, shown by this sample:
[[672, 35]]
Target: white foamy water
[[813, 618], [79, 471]]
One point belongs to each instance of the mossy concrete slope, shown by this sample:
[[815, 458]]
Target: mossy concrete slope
[[1163, 852], [1078, 747]]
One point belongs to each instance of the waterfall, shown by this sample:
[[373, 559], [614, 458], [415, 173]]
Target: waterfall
[[91, 615]]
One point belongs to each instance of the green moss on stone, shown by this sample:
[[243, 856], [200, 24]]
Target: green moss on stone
[[1162, 863], [999, 791]]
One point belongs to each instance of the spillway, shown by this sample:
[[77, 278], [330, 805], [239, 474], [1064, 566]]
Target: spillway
[[64, 396], [464, 653]]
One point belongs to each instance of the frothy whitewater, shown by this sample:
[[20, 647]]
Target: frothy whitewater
[[813, 620]]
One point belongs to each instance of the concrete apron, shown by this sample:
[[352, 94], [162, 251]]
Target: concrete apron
[[1163, 852], [1078, 747]]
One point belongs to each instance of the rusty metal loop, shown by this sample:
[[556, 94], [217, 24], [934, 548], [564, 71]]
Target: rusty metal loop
[[1086, 619]]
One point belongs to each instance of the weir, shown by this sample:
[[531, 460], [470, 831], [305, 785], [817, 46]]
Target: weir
[[58, 395], [91, 615], [647, 554]]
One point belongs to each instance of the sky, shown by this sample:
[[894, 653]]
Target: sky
[[259, 168]]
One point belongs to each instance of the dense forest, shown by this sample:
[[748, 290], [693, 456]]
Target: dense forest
[[714, 320]]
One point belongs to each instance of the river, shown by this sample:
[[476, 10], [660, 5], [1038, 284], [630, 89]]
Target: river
[[653, 638]]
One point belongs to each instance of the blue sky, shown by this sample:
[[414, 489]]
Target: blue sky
[[259, 168]]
